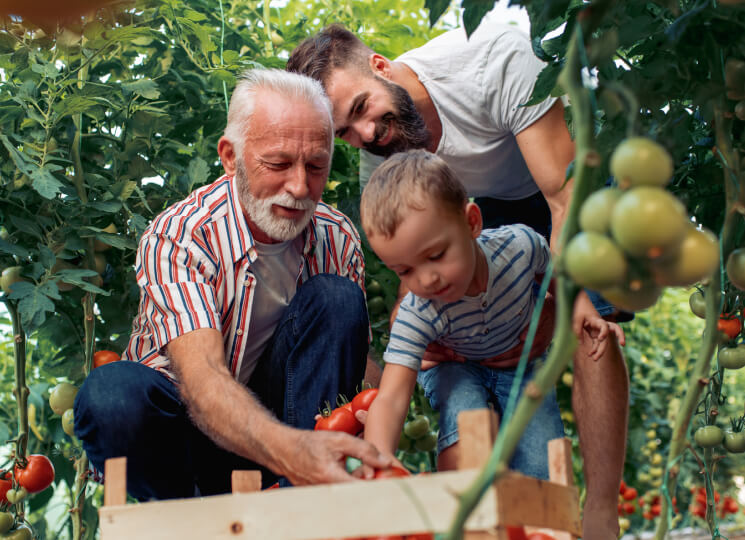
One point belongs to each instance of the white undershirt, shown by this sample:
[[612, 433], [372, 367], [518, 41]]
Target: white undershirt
[[276, 269]]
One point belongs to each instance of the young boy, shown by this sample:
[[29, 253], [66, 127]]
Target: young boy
[[470, 290]]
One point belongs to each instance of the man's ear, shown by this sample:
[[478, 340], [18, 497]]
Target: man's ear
[[226, 151], [473, 217], [380, 65]]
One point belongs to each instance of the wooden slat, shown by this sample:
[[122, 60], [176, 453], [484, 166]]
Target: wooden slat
[[245, 481], [477, 430], [522, 500], [362, 508], [560, 472], [115, 481]]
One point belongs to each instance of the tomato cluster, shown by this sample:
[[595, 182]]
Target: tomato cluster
[[637, 238], [418, 435], [723, 505], [626, 499], [343, 418]]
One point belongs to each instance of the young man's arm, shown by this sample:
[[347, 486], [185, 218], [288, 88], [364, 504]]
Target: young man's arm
[[232, 417]]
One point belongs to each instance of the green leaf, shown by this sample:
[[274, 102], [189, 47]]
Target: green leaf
[[46, 256], [74, 105], [22, 164], [48, 70], [473, 12], [545, 83], [13, 249], [106, 206], [26, 226], [198, 171], [436, 9], [115, 240], [194, 15], [4, 431], [45, 183], [74, 276], [146, 88], [32, 305]]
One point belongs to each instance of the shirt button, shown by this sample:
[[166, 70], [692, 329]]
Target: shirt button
[[486, 330], [483, 304], [239, 332]]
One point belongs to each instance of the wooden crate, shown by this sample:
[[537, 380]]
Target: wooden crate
[[387, 506]]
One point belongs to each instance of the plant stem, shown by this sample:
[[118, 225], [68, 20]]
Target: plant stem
[[20, 391]]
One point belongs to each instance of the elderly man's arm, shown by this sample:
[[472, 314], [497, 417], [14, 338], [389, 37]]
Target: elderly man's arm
[[231, 416]]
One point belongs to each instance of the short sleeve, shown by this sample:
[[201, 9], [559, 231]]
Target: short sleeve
[[416, 326]]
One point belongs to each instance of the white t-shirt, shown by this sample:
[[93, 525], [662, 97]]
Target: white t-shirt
[[276, 271], [477, 86]]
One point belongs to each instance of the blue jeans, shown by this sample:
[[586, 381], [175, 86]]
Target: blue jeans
[[318, 351], [454, 387]]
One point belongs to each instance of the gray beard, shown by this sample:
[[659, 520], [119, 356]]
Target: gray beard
[[260, 212]]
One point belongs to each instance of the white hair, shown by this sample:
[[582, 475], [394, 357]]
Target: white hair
[[290, 85]]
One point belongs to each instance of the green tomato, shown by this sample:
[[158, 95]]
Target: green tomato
[[352, 463], [696, 259], [594, 216], [21, 533], [68, 422], [417, 427], [708, 436], [633, 300], [736, 268], [6, 522], [376, 305], [649, 222], [427, 443], [698, 304], [62, 397], [10, 275], [405, 444], [732, 357], [734, 441], [594, 261], [15, 496], [639, 161], [374, 288]]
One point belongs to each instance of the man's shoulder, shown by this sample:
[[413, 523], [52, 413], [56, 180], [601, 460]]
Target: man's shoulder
[[327, 219], [201, 207]]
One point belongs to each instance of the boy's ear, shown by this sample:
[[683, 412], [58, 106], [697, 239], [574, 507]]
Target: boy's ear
[[380, 65], [473, 217]]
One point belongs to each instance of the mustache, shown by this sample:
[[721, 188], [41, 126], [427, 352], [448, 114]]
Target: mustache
[[288, 201]]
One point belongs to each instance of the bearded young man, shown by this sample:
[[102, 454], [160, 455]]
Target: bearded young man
[[251, 316], [462, 98]]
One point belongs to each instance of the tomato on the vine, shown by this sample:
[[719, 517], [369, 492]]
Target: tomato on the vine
[[630, 494], [5, 484], [731, 326], [363, 400], [340, 419], [104, 357], [736, 268], [540, 536], [38, 474], [734, 441], [732, 357], [708, 436], [6, 522], [698, 304]]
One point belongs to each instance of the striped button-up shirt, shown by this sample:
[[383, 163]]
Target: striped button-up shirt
[[194, 271]]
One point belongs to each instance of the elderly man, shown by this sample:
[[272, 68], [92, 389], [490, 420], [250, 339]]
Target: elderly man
[[462, 98], [252, 315]]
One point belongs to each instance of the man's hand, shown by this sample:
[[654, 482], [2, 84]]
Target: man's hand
[[318, 457], [436, 353], [587, 324]]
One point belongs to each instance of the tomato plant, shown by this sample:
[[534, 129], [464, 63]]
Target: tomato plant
[[708, 436], [5, 484], [639, 161], [732, 357], [38, 474], [62, 397]]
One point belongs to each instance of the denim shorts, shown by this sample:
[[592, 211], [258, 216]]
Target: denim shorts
[[453, 387]]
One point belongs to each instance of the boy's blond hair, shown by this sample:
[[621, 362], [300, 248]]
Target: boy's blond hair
[[408, 180]]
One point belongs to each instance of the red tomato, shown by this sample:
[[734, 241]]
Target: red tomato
[[516, 533], [630, 494], [647, 515], [364, 399], [421, 536], [730, 505], [701, 497], [698, 510], [5, 485], [540, 536], [629, 508], [104, 357], [348, 406], [622, 488], [729, 325], [656, 509], [38, 474], [391, 472], [340, 419]]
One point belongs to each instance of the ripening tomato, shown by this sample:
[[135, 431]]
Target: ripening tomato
[[420, 536], [540, 536], [698, 510], [516, 533], [656, 509], [5, 485], [104, 357], [340, 419], [38, 474], [391, 472], [729, 325], [363, 400], [630, 494], [629, 508]]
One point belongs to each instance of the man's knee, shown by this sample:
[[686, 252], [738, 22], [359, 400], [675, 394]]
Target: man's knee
[[336, 298]]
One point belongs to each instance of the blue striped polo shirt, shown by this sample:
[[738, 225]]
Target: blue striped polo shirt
[[482, 326]]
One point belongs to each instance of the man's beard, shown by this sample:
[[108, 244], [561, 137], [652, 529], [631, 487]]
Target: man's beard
[[260, 211], [411, 131]]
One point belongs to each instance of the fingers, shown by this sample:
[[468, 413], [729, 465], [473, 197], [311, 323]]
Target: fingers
[[618, 331], [361, 416]]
